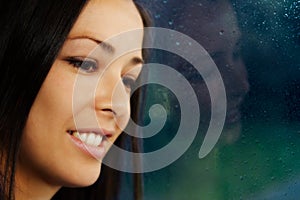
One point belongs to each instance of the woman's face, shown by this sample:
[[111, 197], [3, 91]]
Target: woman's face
[[214, 26], [51, 151]]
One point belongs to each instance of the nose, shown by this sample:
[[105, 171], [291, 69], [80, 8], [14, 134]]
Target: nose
[[242, 74], [111, 98], [236, 78]]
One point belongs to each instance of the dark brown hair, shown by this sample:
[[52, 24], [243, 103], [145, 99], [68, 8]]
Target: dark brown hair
[[31, 35]]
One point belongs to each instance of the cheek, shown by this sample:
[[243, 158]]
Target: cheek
[[123, 119], [56, 91], [51, 110], [121, 105], [52, 107]]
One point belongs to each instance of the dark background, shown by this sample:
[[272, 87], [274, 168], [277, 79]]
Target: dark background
[[263, 163]]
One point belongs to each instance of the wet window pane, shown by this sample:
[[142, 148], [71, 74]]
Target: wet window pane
[[255, 46]]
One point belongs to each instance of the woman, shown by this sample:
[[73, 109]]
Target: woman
[[214, 25], [44, 45]]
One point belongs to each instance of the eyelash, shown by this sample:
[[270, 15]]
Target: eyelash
[[129, 82], [89, 66], [85, 65]]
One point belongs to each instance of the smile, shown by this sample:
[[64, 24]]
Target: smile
[[91, 141], [89, 138]]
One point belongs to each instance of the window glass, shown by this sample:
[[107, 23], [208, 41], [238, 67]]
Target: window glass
[[255, 47]]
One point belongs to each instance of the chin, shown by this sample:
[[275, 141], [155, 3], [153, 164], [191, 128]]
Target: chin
[[231, 133], [84, 178]]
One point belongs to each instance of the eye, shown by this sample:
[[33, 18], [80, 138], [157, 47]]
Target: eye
[[84, 65], [236, 54], [216, 55], [129, 82]]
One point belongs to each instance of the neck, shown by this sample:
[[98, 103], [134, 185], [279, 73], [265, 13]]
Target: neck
[[27, 187]]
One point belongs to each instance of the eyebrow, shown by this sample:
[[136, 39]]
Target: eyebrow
[[137, 61], [108, 47], [104, 45]]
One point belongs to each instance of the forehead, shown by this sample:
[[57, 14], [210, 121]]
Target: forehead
[[214, 24], [221, 28], [102, 19]]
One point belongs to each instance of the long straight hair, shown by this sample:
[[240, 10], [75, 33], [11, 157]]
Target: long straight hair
[[110, 183], [31, 34]]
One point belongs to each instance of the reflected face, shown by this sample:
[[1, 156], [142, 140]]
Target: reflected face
[[222, 42], [57, 150], [215, 28]]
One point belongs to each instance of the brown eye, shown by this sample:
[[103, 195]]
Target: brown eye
[[83, 64], [128, 82]]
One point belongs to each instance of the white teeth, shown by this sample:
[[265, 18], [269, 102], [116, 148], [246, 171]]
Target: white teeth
[[98, 140], [83, 136], [91, 139]]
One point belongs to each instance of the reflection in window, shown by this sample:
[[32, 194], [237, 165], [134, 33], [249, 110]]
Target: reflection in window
[[255, 45]]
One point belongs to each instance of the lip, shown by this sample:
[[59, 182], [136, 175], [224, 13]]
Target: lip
[[233, 116], [97, 131], [96, 152]]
